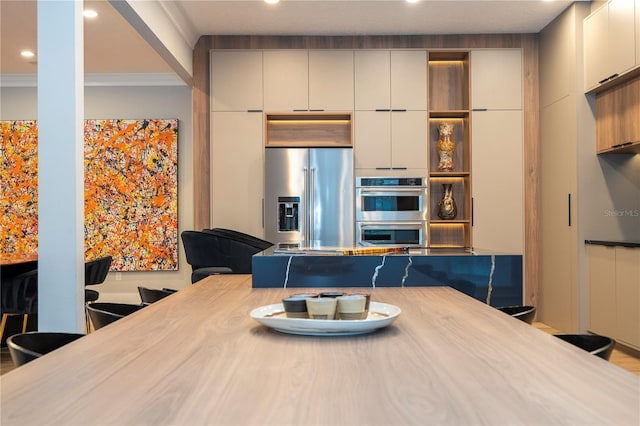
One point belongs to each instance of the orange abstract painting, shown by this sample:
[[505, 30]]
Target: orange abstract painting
[[131, 184], [131, 199], [18, 187]]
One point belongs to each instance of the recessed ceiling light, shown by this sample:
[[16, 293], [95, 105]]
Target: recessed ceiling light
[[271, 1], [27, 54], [89, 13], [412, 1]]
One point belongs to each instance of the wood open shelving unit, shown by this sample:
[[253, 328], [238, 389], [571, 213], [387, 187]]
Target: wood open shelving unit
[[309, 129], [449, 90]]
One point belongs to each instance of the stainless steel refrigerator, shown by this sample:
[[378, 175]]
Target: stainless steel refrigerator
[[309, 197]]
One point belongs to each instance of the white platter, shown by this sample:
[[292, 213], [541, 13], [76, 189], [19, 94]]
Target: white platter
[[273, 316]]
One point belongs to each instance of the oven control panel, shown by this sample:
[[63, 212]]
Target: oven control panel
[[391, 181]]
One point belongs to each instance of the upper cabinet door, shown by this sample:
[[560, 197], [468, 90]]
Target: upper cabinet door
[[622, 35], [331, 80], [236, 81], [286, 80], [409, 80], [372, 80], [496, 79], [609, 42]]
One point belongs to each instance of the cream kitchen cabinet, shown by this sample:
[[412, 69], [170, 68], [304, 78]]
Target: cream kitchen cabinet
[[386, 140], [393, 80], [498, 180], [331, 80], [496, 79], [236, 80], [390, 119], [609, 42], [237, 168], [497, 163], [614, 292], [302, 80], [286, 80]]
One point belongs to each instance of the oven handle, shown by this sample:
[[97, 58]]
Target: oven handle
[[367, 191]]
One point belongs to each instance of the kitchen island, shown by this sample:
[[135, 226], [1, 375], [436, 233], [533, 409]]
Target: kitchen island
[[197, 357], [488, 276]]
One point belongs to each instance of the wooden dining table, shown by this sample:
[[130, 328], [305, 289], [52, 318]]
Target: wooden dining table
[[197, 357]]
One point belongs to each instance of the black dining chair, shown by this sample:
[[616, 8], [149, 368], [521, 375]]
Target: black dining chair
[[26, 347], [19, 296], [205, 255], [523, 313], [151, 295], [95, 272], [595, 344], [220, 251], [104, 313]]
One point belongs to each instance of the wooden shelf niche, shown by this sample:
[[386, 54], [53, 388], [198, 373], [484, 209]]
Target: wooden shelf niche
[[449, 93], [309, 130]]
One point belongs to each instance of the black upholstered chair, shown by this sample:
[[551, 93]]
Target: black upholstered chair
[[104, 313], [26, 347], [239, 247], [151, 295], [601, 346], [220, 251], [95, 272], [523, 313], [19, 296]]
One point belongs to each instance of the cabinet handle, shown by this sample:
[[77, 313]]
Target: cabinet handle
[[254, 110], [569, 209], [316, 110], [479, 109], [300, 110], [611, 77], [471, 211], [383, 168], [382, 110], [399, 110], [398, 168]]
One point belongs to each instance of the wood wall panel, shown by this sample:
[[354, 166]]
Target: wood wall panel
[[528, 43]]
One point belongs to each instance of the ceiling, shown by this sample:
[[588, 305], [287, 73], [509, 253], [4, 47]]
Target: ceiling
[[113, 46]]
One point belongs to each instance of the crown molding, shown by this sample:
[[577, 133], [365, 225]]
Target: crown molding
[[100, 79]]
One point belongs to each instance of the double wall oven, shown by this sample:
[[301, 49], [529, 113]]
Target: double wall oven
[[391, 211]]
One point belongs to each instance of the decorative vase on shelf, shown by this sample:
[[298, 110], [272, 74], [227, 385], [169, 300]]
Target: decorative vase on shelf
[[447, 209], [446, 147]]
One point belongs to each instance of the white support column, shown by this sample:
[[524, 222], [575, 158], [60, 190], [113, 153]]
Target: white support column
[[60, 168]]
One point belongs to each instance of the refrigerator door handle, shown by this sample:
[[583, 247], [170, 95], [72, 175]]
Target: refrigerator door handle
[[305, 201], [311, 206]]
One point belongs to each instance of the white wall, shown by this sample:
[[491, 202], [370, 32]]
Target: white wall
[[131, 103]]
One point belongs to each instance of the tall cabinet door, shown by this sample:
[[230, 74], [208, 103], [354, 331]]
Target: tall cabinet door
[[558, 251], [497, 163], [498, 181], [237, 168]]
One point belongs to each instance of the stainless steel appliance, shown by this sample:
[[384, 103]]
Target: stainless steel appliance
[[391, 211], [309, 198]]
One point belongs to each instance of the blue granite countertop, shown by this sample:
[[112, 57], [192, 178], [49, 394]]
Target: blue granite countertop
[[494, 278]]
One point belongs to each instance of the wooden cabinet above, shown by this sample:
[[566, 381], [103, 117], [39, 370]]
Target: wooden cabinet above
[[618, 119]]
